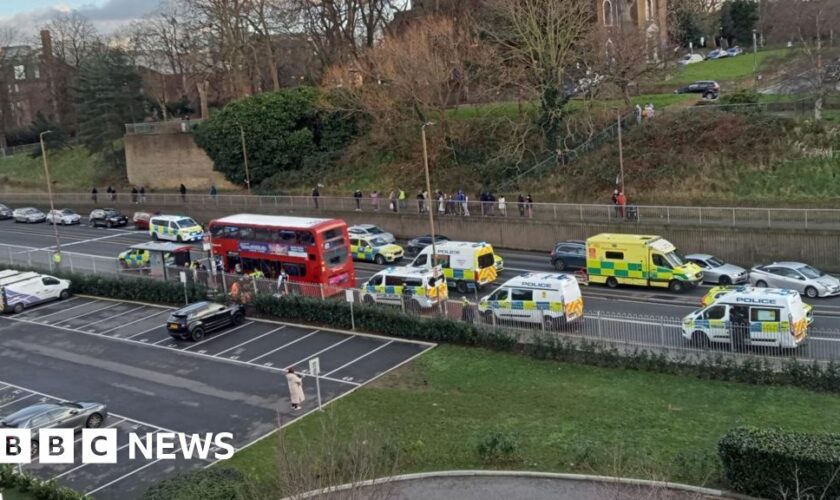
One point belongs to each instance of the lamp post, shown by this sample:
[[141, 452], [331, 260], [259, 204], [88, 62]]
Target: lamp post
[[429, 208], [245, 157], [57, 255], [755, 52]]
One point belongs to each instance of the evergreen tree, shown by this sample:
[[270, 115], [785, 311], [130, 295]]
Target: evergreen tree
[[56, 139]]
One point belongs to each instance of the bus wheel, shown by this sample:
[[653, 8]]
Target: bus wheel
[[612, 282], [699, 339], [461, 286], [675, 286]]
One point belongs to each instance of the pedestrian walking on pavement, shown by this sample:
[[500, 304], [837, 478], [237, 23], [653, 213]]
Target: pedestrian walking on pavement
[[392, 201], [316, 193], [183, 191], [421, 202], [142, 194], [374, 198], [466, 204], [441, 199], [529, 202], [615, 201], [520, 203], [358, 196], [93, 194], [296, 395], [622, 204], [134, 194], [213, 191], [403, 205], [502, 206]]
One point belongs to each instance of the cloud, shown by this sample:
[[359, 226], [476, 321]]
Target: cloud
[[107, 18]]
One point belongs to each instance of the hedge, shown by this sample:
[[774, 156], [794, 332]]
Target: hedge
[[772, 463], [42, 490], [216, 483]]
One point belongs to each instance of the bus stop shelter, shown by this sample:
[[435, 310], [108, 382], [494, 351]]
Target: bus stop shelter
[[157, 256]]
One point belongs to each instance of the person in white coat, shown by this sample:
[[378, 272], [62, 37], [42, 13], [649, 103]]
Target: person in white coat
[[295, 389]]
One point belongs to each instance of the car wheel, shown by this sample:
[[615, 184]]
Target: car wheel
[[18, 308], [725, 281], [559, 264], [699, 339], [379, 259], [811, 292], [197, 334], [238, 318], [612, 282], [154, 236], [65, 294], [94, 421], [761, 284], [461, 286], [108, 224], [676, 286]]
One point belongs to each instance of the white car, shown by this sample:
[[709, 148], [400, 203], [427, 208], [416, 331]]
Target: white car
[[63, 216], [29, 215], [690, 59], [805, 279], [371, 230]]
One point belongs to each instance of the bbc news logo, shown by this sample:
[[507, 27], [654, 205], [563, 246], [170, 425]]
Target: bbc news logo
[[100, 446]]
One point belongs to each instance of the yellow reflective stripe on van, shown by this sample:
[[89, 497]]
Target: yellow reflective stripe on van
[[574, 309], [488, 274]]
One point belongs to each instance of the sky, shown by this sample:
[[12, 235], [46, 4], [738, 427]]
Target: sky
[[27, 16]]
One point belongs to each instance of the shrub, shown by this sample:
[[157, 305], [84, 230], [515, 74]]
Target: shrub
[[206, 484], [42, 490], [497, 447], [772, 463]]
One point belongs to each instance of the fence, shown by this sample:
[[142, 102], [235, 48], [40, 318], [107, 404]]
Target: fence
[[167, 127], [19, 150], [777, 218]]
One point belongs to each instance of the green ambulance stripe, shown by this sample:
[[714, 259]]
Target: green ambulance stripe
[[617, 269]]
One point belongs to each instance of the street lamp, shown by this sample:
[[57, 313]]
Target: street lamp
[[755, 52], [245, 157], [57, 255], [429, 209]]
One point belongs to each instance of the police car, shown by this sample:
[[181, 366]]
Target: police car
[[717, 292], [175, 228], [419, 288], [374, 249], [135, 257], [552, 298]]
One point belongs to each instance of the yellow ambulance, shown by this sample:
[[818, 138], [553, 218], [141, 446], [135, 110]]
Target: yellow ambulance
[[641, 260]]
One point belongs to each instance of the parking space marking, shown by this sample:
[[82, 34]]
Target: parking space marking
[[249, 341], [63, 310], [349, 337], [91, 240], [214, 337], [345, 365], [82, 466], [144, 318], [113, 317], [124, 476], [16, 400], [141, 333], [86, 314], [284, 346]]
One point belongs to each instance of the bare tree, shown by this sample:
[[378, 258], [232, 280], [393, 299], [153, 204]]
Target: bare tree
[[74, 37], [621, 56]]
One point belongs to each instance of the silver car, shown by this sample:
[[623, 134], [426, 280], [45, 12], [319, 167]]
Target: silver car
[[63, 216], [803, 278], [67, 415], [29, 215], [5, 212], [717, 271], [371, 230]]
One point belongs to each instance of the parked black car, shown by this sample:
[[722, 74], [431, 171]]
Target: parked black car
[[569, 255], [709, 88], [5, 212], [416, 245], [107, 217], [196, 320]]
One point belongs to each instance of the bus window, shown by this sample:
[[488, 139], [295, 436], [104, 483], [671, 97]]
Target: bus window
[[333, 234], [298, 270], [304, 238], [246, 233], [336, 256]]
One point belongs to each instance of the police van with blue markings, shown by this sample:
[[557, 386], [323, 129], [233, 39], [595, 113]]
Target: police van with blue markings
[[19, 290], [550, 298], [175, 228], [417, 288]]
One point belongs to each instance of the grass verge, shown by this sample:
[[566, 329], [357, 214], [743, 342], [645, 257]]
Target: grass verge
[[563, 417], [728, 68], [70, 169]]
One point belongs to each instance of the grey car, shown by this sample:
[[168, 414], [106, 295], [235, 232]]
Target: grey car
[[67, 415], [371, 230], [29, 215], [805, 279], [5, 212], [717, 271]]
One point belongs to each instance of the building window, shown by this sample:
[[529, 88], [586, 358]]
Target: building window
[[20, 72], [649, 12], [608, 13]]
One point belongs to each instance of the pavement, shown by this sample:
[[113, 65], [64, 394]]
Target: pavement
[[120, 354]]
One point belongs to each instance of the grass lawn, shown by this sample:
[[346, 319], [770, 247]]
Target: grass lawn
[[726, 69], [564, 417], [70, 169]]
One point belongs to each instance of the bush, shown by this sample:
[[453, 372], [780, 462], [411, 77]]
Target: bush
[[206, 484], [772, 463], [497, 447], [42, 490]]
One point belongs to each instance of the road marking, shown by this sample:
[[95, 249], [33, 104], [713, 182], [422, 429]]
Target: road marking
[[32, 312], [284, 346], [249, 341], [345, 365], [145, 331], [16, 400], [133, 322], [82, 466], [91, 240], [135, 471], [112, 317], [85, 314], [218, 336], [321, 351]]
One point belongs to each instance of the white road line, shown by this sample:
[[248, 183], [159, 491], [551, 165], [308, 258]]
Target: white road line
[[167, 338], [82, 466], [285, 345], [135, 471], [91, 240], [345, 365], [321, 351], [61, 311], [144, 331], [18, 399], [112, 317], [218, 336], [85, 314], [249, 341], [132, 322]]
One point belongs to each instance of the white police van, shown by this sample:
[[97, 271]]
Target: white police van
[[552, 298], [776, 318], [418, 287], [19, 290]]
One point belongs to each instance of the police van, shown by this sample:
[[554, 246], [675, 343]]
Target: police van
[[175, 228], [465, 265], [418, 287], [19, 290], [776, 318], [552, 298]]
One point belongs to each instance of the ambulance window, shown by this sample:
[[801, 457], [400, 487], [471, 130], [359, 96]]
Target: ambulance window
[[716, 312], [500, 294], [420, 260], [393, 281], [486, 260], [764, 315], [615, 255], [518, 294], [659, 261]]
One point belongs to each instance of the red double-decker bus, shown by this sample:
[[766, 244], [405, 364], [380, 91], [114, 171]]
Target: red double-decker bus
[[309, 250]]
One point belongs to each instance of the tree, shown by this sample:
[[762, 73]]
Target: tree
[[622, 56], [56, 139], [738, 19], [74, 37]]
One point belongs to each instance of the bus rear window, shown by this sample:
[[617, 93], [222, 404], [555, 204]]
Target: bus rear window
[[486, 260], [331, 234], [336, 256]]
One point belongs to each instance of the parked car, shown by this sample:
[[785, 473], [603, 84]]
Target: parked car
[[709, 88], [717, 54], [107, 217], [690, 59], [417, 244], [5, 212], [734, 51], [805, 279], [569, 255], [196, 320], [67, 415], [63, 216], [371, 230], [141, 219], [29, 215], [717, 271]]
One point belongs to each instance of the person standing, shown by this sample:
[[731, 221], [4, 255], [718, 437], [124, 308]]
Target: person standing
[[93, 194], [374, 198], [142, 194], [134, 194], [403, 205], [502, 206], [466, 204], [296, 395], [650, 111], [520, 203], [111, 193], [358, 196], [183, 191], [622, 203], [282, 279], [213, 191], [529, 202], [638, 113], [392, 201], [441, 199], [421, 202], [316, 193], [615, 201]]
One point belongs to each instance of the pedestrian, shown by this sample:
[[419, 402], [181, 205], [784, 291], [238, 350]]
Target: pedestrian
[[482, 202], [615, 201], [213, 191], [358, 196], [93, 194], [529, 204], [111, 193], [295, 389], [622, 203], [403, 205], [638, 113], [451, 203], [466, 204], [392, 201], [739, 328], [421, 201], [650, 111], [183, 190], [134, 193], [282, 279], [441, 199], [374, 198], [520, 203], [142, 194], [316, 193], [502, 206]]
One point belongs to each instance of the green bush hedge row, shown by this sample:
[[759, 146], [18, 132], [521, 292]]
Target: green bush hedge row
[[216, 483], [772, 463], [42, 490]]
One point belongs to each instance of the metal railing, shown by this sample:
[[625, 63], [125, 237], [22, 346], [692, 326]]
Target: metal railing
[[779, 218], [18, 150], [167, 127]]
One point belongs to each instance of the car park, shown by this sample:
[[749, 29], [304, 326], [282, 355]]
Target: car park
[[710, 89], [374, 249], [371, 230], [690, 59], [175, 228], [416, 288], [717, 271], [29, 215], [63, 216], [19, 290], [569, 255], [5, 212], [415, 245], [717, 54], [194, 321], [798, 276], [550, 298], [107, 217], [66, 415]]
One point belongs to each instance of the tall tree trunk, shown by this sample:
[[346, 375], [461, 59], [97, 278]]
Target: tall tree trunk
[[202, 96]]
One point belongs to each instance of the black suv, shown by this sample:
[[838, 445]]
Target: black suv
[[569, 255], [107, 217], [709, 88], [195, 320], [416, 245]]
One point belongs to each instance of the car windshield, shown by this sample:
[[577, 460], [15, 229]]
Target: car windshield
[[811, 272], [378, 242], [67, 211], [715, 262], [375, 230], [186, 222], [674, 259]]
